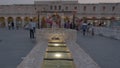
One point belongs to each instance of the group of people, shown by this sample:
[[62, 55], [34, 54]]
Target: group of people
[[70, 25], [31, 27], [87, 28], [11, 25]]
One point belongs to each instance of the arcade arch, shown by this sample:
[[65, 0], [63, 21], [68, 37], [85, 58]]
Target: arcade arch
[[2, 22], [43, 22], [10, 19], [18, 21], [35, 19], [66, 19], [26, 21], [56, 18]]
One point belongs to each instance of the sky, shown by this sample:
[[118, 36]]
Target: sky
[[5, 2]]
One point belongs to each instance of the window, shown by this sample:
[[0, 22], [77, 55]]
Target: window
[[51, 7], [75, 8], [43, 9], [94, 8], [55, 7], [104, 8], [59, 7], [66, 8], [113, 8], [84, 8]]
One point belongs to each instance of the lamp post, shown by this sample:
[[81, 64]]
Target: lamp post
[[73, 18], [38, 19], [74, 12], [38, 16]]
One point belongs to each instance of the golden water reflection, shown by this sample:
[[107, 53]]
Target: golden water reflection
[[57, 56]]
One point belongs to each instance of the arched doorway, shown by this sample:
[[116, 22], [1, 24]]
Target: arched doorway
[[35, 19], [26, 21], [43, 22], [2, 22], [66, 19], [56, 18], [18, 22], [84, 19], [103, 21], [10, 23], [10, 19], [95, 21]]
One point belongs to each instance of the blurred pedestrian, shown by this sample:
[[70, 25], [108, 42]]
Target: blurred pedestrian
[[84, 27], [18, 24], [92, 31], [12, 25], [32, 26], [9, 25]]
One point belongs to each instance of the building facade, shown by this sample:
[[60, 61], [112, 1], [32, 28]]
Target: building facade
[[59, 11]]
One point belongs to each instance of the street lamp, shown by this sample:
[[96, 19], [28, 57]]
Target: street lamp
[[74, 13], [38, 19], [38, 16]]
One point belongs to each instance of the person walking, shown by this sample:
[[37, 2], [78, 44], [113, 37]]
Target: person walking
[[9, 25], [84, 27], [92, 30], [12, 25], [31, 26]]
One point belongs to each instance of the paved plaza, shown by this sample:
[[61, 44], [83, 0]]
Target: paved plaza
[[15, 44], [103, 50]]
